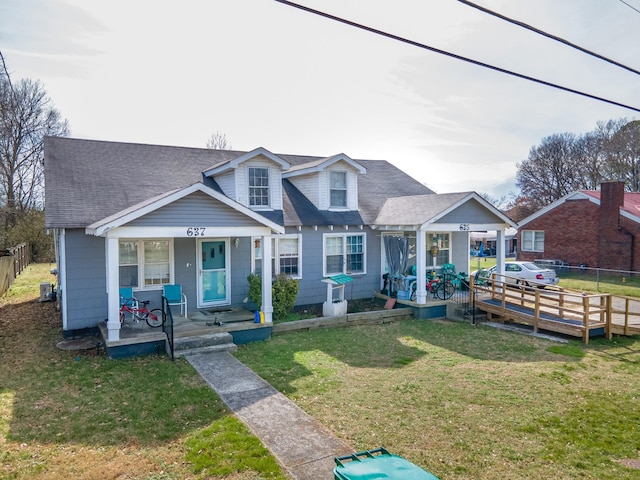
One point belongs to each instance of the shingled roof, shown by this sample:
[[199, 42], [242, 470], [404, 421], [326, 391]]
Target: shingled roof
[[89, 180]]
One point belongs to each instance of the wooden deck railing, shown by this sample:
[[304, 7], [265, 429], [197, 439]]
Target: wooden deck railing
[[625, 315], [552, 308]]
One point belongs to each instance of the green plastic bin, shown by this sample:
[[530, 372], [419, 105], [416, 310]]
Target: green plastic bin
[[377, 464]]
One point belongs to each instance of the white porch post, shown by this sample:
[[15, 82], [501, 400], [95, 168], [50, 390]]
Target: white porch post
[[500, 254], [267, 305], [113, 290], [421, 267]]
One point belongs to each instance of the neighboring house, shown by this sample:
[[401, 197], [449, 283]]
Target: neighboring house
[[141, 216], [484, 243], [592, 228]]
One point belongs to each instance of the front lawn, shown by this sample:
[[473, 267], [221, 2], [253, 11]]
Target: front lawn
[[462, 401], [467, 402], [79, 415]]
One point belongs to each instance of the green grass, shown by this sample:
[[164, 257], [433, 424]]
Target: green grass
[[581, 281], [467, 402], [81, 415], [613, 284], [462, 401]]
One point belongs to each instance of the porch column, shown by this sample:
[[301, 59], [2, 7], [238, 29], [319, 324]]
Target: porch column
[[421, 267], [500, 254], [267, 305], [113, 290]]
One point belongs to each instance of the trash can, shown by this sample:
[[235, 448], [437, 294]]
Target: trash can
[[375, 464]]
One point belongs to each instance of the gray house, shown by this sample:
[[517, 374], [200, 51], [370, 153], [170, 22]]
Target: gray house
[[143, 216]]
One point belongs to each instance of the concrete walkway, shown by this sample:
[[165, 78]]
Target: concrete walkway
[[304, 448]]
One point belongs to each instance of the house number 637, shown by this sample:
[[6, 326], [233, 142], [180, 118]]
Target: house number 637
[[195, 231]]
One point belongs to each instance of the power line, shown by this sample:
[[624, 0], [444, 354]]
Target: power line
[[453, 55], [549, 35], [630, 6]]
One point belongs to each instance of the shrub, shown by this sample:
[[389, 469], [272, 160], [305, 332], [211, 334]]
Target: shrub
[[284, 291]]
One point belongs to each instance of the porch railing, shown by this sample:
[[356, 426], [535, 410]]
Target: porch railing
[[167, 325]]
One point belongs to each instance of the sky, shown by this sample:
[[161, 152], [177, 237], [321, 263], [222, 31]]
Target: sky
[[265, 74]]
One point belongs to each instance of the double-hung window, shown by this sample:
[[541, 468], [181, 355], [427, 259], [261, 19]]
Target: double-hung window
[[441, 242], [532, 241], [259, 187], [285, 255], [338, 189], [344, 253], [144, 263]]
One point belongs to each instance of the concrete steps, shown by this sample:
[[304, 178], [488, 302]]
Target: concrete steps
[[464, 312], [212, 342]]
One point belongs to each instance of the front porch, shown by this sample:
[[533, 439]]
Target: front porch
[[137, 338]]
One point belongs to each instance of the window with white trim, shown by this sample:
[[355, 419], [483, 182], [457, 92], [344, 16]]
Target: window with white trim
[[441, 241], [532, 241], [259, 187], [144, 263], [344, 253], [287, 249], [337, 189]]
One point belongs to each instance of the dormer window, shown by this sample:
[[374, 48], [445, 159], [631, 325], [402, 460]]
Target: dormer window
[[258, 187], [338, 189]]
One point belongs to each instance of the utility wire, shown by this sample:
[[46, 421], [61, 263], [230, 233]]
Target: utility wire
[[453, 55], [549, 35], [630, 6]]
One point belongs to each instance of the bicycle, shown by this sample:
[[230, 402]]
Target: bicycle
[[154, 318], [438, 287]]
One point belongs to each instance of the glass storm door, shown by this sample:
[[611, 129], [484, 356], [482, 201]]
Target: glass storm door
[[212, 284]]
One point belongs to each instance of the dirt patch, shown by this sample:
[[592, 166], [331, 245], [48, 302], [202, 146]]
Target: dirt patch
[[630, 462], [353, 306]]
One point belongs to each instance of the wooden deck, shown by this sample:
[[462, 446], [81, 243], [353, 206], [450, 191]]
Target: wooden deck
[[558, 310]]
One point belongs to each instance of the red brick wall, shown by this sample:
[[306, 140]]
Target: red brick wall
[[579, 231], [570, 234]]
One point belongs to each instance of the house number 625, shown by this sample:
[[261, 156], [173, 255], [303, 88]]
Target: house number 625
[[195, 232]]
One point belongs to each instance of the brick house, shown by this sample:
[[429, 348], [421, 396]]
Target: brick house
[[594, 228]]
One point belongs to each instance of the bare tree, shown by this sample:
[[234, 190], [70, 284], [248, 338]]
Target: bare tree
[[623, 154], [27, 115], [554, 169], [218, 141]]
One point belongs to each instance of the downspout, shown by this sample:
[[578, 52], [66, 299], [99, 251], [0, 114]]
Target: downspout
[[633, 244]]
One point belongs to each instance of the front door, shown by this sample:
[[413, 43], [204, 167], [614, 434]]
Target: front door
[[213, 273]]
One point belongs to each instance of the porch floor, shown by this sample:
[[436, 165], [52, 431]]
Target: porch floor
[[200, 322]]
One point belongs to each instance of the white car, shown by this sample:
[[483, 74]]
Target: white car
[[527, 273]]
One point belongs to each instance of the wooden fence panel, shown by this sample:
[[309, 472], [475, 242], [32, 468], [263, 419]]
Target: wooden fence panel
[[13, 264], [6, 273]]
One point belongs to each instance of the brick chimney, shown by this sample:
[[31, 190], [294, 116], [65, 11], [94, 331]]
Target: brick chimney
[[615, 244], [611, 199]]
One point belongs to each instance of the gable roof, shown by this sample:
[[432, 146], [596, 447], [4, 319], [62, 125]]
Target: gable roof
[[136, 211], [231, 164], [631, 205], [422, 210], [88, 181], [629, 209], [321, 164]]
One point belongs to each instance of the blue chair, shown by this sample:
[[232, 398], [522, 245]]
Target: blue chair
[[174, 296]]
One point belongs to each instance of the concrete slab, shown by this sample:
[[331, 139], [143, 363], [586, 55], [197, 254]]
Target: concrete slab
[[302, 445]]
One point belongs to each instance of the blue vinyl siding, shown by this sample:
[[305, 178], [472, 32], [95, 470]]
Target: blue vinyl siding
[[86, 289], [311, 288], [195, 209], [470, 212]]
